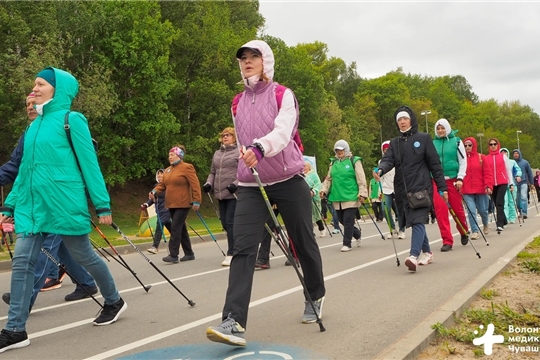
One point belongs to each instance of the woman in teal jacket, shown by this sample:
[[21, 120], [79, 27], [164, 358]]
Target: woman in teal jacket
[[49, 196]]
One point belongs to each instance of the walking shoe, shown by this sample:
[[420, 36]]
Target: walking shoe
[[170, 259], [464, 239], [322, 233], [411, 263], [61, 273], [80, 294], [446, 247], [262, 264], [335, 231], [6, 297], [227, 261], [345, 248], [401, 235], [524, 217], [288, 263], [425, 258], [389, 236], [500, 228], [153, 250], [228, 332], [13, 340], [486, 229], [51, 284], [474, 236], [187, 257], [309, 315], [433, 220], [110, 313], [358, 242]]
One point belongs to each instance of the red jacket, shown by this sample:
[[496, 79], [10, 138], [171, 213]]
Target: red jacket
[[497, 163], [479, 174]]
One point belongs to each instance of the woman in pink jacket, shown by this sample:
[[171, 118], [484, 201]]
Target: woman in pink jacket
[[502, 176], [477, 186]]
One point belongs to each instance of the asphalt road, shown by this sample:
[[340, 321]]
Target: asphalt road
[[370, 304]]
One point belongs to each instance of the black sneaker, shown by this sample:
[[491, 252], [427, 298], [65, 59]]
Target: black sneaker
[[464, 239], [80, 294], [6, 297], [110, 313], [170, 259], [262, 264], [187, 257], [446, 248], [51, 284], [13, 340]]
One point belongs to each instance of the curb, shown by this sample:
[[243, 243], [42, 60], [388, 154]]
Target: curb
[[410, 345], [127, 249]]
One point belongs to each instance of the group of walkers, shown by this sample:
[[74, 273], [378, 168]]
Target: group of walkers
[[259, 168]]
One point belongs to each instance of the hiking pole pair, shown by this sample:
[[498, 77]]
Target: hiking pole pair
[[460, 225], [63, 267], [124, 263], [195, 231], [190, 302], [473, 216], [279, 239], [207, 228]]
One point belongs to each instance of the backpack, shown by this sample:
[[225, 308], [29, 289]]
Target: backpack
[[279, 91]]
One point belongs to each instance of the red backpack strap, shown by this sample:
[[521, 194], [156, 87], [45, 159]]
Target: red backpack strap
[[280, 91], [235, 102]]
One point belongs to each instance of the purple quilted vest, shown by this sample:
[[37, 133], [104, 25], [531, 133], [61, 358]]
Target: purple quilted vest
[[255, 115]]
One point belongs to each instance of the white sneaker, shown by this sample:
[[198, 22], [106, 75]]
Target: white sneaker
[[389, 236], [358, 242], [411, 263], [227, 261], [474, 236], [153, 250], [345, 248], [401, 235], [425, 258], [322, 233], [335, 231]]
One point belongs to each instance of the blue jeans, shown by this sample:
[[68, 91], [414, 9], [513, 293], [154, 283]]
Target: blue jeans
[[22, 274], [521, 198], [477, 202], [45, 268], [419, 240]]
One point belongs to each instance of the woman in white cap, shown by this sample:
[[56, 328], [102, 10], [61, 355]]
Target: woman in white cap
[[415, 159], [266, 122], [346, 188]]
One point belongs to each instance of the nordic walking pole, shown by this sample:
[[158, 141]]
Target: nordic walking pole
[[460, 225], [148, 222], [387, 216], [190, 302], [291, 259], [6, 239], [102, 249], [213, 205], [533, 190], [55, 262], [320, 212], [195, 231], [162, 229], [473, 216], [95, 246], [145, 287], [207, 228], [515, 207], [373, 220]]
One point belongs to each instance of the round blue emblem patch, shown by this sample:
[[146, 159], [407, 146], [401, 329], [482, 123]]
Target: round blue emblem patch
[[416, 144]]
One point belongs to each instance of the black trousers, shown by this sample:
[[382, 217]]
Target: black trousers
[[179, 233], [293, 199], [227, 208], [498, 199], [347, 219]]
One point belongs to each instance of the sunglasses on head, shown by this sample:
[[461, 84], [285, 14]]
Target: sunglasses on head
[[492, 144]]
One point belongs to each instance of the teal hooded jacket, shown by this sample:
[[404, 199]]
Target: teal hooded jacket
[[48, 195]]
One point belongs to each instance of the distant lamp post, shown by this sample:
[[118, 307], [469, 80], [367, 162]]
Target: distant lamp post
[[517, 135], [426, 113], [480, 135]]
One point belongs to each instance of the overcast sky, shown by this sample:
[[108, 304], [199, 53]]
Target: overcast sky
[[494, 45]]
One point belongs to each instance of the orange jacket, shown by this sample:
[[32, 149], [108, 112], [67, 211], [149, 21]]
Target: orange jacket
[[181, 186]]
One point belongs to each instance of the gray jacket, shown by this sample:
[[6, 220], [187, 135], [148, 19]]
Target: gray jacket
[[223, 171]]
